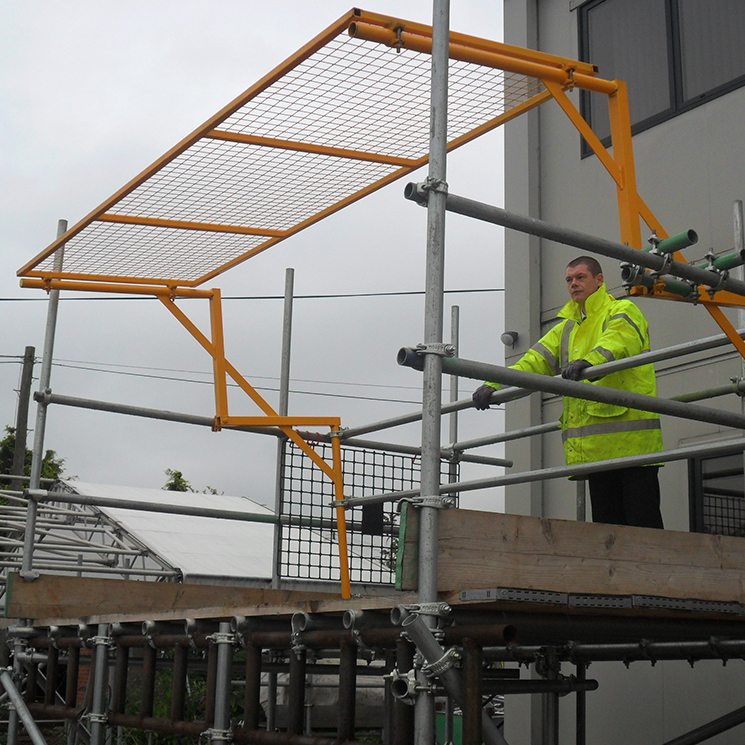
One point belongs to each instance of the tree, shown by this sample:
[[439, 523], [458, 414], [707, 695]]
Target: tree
[[51, 465], [176, 481]]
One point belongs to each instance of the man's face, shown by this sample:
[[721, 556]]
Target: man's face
[[580, 282]]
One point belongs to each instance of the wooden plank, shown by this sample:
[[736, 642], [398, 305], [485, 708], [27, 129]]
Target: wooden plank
[[483, 550], [63, 600]]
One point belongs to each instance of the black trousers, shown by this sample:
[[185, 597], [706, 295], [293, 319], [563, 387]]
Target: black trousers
[[626, 496]]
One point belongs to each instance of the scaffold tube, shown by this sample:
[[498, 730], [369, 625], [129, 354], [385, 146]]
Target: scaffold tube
[[569, 237], [450, 678], [22, 710], [545, 474], [583, 390]]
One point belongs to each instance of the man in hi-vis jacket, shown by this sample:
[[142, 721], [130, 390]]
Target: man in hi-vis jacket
[[596, 328]]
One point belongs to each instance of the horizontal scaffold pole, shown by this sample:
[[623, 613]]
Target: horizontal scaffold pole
[[582, 470], [569, 237], [206, 421], [577, 389], [511, 394], [41, 495]]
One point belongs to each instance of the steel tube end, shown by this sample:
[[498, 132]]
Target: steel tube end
[[409, 357], [299, 622], [416, 193], [398, 614], [677, 242]]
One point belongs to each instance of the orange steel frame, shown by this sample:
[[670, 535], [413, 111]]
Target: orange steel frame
[[558, 75]]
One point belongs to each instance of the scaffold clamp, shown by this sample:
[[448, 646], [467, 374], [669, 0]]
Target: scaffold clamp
[[439, 348], [739, 383], [220, 637], [210, 735], [404, 686], [435, 502], [439, 610], [419, 192], [438, 667], [95, 641]]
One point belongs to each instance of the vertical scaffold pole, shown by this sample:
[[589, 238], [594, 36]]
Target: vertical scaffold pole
[[453, 434], [41, 411], [284, 397], [24, 396], [37, 458], [738, 226], [100, 685], [223, 640], [433, 313]]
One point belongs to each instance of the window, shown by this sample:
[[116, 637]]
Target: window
[[717, 496], [673, 54]]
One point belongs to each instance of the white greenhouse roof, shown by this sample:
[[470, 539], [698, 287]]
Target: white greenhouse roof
[[195, 545]]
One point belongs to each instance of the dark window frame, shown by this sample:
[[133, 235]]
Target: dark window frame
[[675, 74]]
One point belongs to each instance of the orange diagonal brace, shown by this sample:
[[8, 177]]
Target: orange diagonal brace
[[288, 431], [623, 155], [252, 393], [585, 130], [282, 421]]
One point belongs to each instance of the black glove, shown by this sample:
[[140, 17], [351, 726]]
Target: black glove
[[574, 370], [482, 396]]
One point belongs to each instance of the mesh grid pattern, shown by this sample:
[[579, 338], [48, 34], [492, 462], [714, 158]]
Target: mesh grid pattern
[[351, 94], [232, 183], [724, 515], [122, 250], [313, 554], [722, 496], [367, 97]]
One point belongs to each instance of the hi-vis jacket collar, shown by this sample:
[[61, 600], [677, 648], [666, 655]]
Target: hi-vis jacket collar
[[594, 303]]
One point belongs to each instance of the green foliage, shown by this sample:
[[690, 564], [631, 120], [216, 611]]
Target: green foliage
[[194, 703], [51, 465], [176, 481]]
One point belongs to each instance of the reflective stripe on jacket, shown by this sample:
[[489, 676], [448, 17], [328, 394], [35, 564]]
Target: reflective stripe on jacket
[[612, 329]]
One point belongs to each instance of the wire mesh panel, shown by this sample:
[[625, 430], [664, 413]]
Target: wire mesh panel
[[339, 119], [722, 497], [372, 531]]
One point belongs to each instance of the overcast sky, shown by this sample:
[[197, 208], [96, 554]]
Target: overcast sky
[[93, 91]]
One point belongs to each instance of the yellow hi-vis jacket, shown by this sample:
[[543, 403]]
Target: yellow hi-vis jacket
[[611, 330]]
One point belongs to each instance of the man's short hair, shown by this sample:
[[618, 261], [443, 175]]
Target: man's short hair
[[592, 264]]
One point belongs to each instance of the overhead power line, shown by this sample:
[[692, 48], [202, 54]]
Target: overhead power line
[[402, 293], [233, 385], [248, 375]]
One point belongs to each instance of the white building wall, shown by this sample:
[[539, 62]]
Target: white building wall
[[689, 171]]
